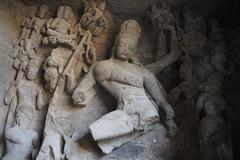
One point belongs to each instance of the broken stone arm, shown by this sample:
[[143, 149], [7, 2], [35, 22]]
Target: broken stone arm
[[85, 90]]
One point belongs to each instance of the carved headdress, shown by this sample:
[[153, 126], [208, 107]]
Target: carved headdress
[[132, 30]]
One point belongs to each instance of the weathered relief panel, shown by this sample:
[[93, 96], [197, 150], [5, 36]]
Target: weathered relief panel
[[112, 80]]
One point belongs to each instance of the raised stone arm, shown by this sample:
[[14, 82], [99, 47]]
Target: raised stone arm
[[85, 90]]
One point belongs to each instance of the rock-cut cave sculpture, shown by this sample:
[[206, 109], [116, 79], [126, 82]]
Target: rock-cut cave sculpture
[[94, 19], [22, 140], [136, 90], [59, 30]]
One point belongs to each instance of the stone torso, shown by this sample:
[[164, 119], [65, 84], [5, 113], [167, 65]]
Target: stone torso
[[27, 92], [124, 77], [39, 22]]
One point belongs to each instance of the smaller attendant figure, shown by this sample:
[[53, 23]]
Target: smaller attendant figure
[[37, 23], [63, 62], [214, 131], [22, 59], [164, 23], [219, 50], [93, 18], [54, 67], [59, 30], [26, 100], [26, 26]]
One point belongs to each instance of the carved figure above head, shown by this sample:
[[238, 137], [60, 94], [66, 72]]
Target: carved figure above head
[[94, 18], [59, 30], [37, 23]]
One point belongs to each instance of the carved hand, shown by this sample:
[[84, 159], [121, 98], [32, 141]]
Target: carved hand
[[171, 126], [169, 113]]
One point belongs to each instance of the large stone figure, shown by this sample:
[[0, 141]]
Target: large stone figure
[[136, 90], [63, 61]]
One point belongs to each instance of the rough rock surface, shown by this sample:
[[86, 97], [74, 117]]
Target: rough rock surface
[[203, 96]]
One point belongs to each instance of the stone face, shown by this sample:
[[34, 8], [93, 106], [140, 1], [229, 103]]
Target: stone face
[[88, 80]]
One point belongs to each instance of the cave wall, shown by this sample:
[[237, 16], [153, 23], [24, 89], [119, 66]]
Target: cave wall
[[12, 13]]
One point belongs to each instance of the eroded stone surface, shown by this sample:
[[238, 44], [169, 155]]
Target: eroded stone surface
[[61, 85]]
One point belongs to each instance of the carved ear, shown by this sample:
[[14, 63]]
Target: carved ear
[[102, 6]]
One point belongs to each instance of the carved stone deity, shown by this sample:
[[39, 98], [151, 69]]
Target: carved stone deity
[[135, 89], [163, 21], [219, 50], [194, 38], [214, 131], [93, 18], [37, 23], [25, 58], [64, 61], [26, 100], [26, 26], [54, 67], [167, 49], [59, 30]]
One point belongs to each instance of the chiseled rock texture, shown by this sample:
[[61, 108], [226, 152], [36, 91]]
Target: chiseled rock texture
[[10, 13], [62, 121]]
